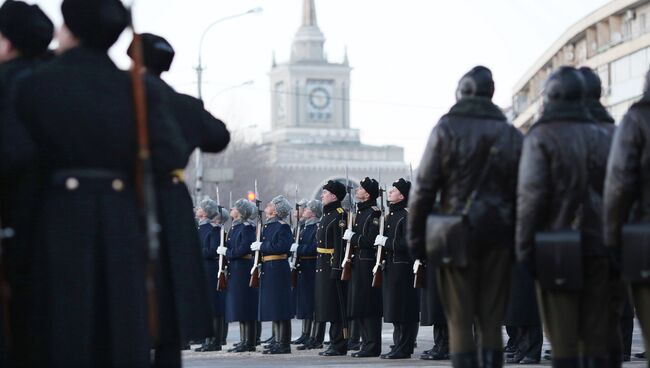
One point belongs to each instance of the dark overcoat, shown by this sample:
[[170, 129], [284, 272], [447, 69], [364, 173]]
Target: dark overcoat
[[241, 300], [275, 279]]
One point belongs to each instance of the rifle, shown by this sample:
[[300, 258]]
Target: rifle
[[144, 179], [294, 256], [221, 275], [254, 281], [346, 274], [378, 270]]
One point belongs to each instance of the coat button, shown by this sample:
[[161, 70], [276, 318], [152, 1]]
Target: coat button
[[118, 185], [175, 180], [72, 183]]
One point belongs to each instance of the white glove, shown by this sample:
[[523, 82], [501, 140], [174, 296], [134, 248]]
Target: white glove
[[380, 240], [256, 246], [221, 250], [294, 247], [417, 264], [348, 234]]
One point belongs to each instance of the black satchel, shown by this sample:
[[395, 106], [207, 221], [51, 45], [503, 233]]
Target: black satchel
[[558, 259], [448, 235], [636, 253]]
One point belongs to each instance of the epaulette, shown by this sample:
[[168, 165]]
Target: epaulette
[[376, 208], [407, 210], [282, 222], [247, 224], [340, 210]]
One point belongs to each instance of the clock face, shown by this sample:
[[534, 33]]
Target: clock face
[[319, 98]]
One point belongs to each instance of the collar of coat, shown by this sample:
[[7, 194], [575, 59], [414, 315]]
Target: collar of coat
[[331, 207], [87, 55], [599, 112], [237, 222], [204, 221], [312, 221], [477, 107], [644, 101], [367, 204], [394, 207], [565, 111]]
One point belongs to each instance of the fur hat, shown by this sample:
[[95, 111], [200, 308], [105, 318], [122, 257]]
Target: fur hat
[[302, 203], [223, 215], [244, 208], [404, 187], [477, 82], [26, 26], [157, 53], [565, 84], [97, 23], [335, 188], [316, 207], [282, 206], [210, 207], [371, 186]]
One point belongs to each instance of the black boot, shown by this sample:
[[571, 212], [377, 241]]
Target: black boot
[[283, 338], [242, 345], [464, 360], [565, 362], [224, 330], [306, 327], [491, 358], [258, 333], [316, 337], [211, 344]]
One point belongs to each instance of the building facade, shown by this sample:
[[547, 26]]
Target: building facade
[[614, 40], [311, 140]]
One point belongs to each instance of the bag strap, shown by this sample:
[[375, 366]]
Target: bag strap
[[492, 152]]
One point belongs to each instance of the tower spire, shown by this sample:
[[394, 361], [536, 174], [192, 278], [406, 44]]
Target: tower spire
[[309, 13]]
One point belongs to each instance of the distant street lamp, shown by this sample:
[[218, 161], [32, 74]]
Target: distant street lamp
[[247, 83], [199, 76]]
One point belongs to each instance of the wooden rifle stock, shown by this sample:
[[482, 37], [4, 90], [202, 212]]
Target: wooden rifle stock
[[254, 281], [294, 262], [346, 274], [378, 270], [144, 181]]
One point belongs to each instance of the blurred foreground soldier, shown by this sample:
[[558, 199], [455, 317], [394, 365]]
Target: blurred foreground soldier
[[618, 295], [627, 204], [471, 161], [275, 279], [401, 300], [90, 257], [364, 301], [331, 292], [241, 300], [25, 32], [183, 301], [559, 231], [306, 247]]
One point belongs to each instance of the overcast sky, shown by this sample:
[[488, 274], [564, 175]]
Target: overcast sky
[[407, 55]]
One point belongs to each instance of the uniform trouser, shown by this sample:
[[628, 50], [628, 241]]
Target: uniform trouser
[[477, 294], [641, 296], [627, 330], [618, 293], [404, 339], [441, 337], [574, 320], [337, 341], [370, 329], [355, 331]]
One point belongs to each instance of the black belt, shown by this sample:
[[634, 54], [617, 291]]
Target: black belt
[[72, 180]]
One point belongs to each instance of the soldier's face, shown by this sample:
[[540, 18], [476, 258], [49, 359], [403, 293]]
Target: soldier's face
[[235, 214], [7, 50], [200, 213], [327, 197], [394, 195], [361, 194], [269, 210], [307, 214], [66, 39]]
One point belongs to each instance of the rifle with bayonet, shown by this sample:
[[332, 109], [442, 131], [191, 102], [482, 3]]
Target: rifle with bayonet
[[221, 275], [294, 257], [144, 179], [346, 274], [378, 270], [254, 281]]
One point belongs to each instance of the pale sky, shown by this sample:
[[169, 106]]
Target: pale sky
[[407, 55]]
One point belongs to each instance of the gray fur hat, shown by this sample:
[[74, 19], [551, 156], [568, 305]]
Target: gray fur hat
[[254, 211], [243, 207], [210, 208], [223, 215], [282, 206], [316, 207], [303, 203]]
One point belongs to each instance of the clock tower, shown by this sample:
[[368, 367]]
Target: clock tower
[[311, 140]]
